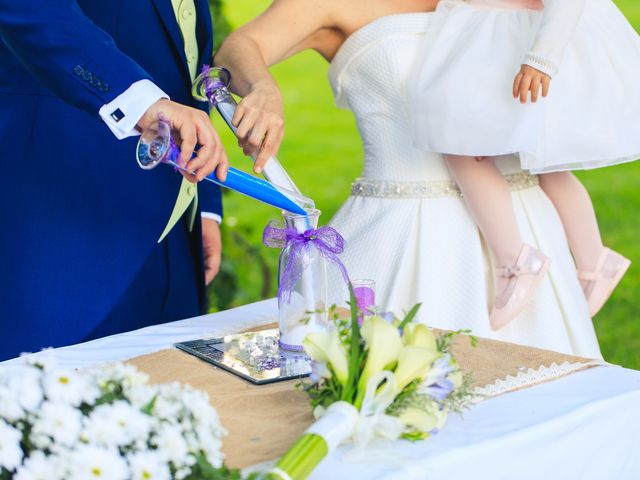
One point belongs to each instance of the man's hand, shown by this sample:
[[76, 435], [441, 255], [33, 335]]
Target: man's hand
[[191, 127], [212, 248], [530, 80], [259, 120]]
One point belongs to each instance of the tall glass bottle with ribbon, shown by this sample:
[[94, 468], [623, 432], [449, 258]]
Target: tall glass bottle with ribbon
[[307, 253]]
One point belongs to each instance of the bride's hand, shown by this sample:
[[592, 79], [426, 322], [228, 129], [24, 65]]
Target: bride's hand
[[530, 80], [259, 120]]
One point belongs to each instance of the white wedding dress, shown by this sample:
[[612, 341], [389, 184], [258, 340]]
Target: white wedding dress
[[406, 226]]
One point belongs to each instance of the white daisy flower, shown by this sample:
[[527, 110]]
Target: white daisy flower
[[117, 424], [88, 462], [10, 451], [60, 422], [148, 465], [66, 386], [167, 407], [127, 375], [141, 395], [40, 467], [43, 360], [24, 383], [10, 407], [171, 444]]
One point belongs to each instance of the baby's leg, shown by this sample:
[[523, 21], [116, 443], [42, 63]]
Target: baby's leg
[[488, 197], [574, 206], [519, 268]]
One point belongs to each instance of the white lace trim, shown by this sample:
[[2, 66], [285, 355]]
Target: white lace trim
[[531, 377]]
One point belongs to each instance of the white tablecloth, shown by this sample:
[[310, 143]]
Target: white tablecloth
[[585, 426]]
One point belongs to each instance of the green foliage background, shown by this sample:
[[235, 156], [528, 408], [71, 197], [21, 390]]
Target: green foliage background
[[323, 154]]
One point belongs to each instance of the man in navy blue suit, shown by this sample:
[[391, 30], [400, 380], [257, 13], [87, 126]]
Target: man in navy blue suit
[[80, 222]]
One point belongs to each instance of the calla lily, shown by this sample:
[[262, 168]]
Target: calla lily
[[384, 344], [456, 378], [327, 347], [419, 335], [424, 420], [412, 364]]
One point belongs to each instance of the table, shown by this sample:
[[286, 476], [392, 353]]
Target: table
[[585, 426]]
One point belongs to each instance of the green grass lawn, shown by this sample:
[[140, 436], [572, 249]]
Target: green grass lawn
[[322, 153]]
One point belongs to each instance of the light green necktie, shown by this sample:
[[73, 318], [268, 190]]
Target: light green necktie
[[185, 11]]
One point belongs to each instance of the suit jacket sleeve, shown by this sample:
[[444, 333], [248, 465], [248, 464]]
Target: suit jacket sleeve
[[210, 198], [74, 58]]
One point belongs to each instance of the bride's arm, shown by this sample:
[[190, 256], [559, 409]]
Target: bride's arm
[[284, 29]]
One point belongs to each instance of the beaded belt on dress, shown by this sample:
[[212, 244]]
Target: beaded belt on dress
[[386, 189]]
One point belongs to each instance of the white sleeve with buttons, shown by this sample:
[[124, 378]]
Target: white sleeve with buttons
[[123, 113]]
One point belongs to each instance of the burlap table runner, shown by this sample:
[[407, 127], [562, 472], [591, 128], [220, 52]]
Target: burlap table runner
[[264, 421]]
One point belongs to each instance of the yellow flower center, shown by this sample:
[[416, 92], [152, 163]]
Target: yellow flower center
[[96, 472], [63, 380]]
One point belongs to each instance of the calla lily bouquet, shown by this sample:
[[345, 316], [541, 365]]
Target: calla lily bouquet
[[388, 378]]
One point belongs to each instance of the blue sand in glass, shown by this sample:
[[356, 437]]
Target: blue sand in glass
[[244, 183]]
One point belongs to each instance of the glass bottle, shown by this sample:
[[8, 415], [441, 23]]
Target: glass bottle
[[305, 310]]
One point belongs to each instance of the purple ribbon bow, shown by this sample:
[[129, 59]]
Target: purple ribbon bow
[[210, 86], [326, 240]]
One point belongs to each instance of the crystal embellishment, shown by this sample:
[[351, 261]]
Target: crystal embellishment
[[385, 189]]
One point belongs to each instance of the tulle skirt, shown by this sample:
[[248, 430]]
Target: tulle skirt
[[590, 119]]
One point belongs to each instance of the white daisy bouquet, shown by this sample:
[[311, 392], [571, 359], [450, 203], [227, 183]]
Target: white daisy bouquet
[[105, 424], [374, 376]]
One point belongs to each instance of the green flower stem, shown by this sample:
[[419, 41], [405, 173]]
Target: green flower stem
[[361, 389], [296, 450], [304, 456]]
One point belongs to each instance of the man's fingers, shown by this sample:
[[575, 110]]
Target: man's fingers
[[206, 160], [516, 85], [535, 89], [189, 139], [223, 164], [211, 270], [220, 157], [211, 267], [202, 165], [215, 159], [188, 176], [525, 85], [546, 83], [212, 247]]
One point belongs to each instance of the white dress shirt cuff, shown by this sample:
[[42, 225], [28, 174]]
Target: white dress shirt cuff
[[123, 113], [212, 216]]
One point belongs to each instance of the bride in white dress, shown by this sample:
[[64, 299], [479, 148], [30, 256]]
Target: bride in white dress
[[405, 224]]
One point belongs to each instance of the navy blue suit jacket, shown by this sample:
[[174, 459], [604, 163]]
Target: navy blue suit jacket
[[78, 217]]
